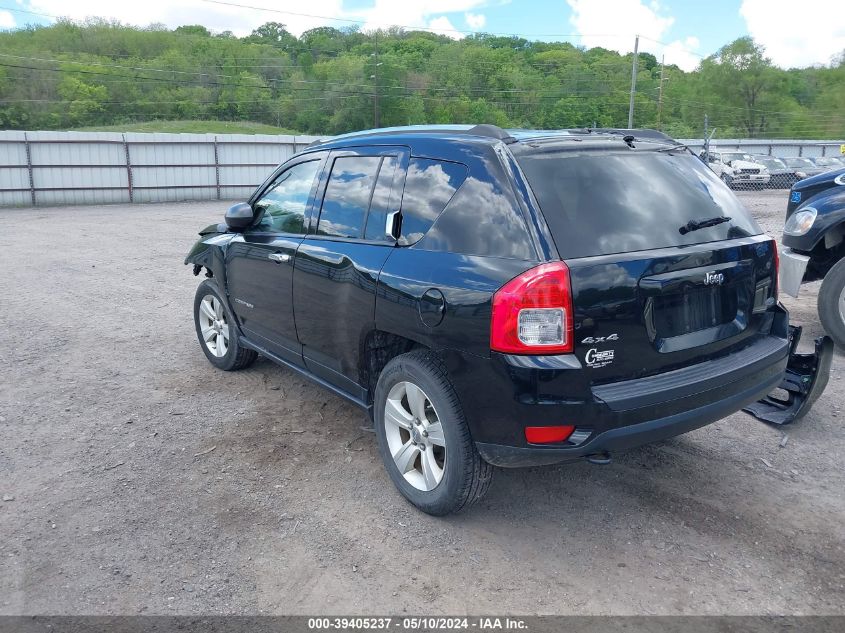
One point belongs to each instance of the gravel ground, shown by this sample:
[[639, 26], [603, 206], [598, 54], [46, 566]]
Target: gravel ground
[[137, 479]]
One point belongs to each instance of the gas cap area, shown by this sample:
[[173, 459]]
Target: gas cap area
[[432, 307]]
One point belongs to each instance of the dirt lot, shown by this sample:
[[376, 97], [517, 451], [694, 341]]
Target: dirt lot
[[137, 479]]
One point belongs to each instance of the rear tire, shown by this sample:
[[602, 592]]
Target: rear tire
[[423, 436], [217, 331], [832, 303]]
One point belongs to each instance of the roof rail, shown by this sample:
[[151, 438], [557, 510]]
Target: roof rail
[[484, 129], [637, 133]]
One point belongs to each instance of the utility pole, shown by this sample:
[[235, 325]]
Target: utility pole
[[633, 82], [374, 77], [660, 93]]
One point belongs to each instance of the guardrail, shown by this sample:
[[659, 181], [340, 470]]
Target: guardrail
[[59, 168]]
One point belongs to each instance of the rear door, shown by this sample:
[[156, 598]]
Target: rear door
[[650, 291], [259, 262], [338, 263]]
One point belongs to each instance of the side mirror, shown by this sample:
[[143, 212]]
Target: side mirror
[[240, 216]]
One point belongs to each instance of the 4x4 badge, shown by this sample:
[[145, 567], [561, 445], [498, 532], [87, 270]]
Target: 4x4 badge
[[591, 340]]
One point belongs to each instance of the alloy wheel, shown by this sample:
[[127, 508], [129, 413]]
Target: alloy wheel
[[213, 326], [842, 304], [414, 436]]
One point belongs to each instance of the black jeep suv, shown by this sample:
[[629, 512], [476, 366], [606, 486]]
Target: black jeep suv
[[499, 298]]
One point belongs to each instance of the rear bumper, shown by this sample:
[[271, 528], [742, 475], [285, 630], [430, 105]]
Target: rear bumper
[[626, 437], [502, 395]]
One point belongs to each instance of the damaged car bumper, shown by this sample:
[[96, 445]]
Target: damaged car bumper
[[792, 268], [804, 380]]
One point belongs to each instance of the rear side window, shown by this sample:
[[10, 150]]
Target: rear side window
[[348, 194], [429, 186], [604, 203]]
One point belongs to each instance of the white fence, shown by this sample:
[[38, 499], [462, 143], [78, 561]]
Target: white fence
[[58, 168], [53, 168]]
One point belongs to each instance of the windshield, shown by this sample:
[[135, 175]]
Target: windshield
[[603, 203], [799, 162], [737, 156], [827, 162]]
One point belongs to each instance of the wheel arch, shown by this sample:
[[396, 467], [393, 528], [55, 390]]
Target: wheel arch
[[827, 249], [376, 349]]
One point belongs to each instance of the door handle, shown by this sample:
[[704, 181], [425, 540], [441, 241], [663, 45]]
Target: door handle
[[279, 257]]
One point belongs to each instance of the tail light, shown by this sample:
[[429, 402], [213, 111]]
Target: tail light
[[532, 313], [548, 434], [776, 256]]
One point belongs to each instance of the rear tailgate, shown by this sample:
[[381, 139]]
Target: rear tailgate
[[654, 311], [651, 292]]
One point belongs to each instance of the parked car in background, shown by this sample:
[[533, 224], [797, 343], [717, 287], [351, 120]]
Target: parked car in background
[[814, 246], [501, 298], [780, 176], [829, 162], [738, 170], [804, 164]]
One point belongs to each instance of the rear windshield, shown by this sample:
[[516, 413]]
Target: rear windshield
[[599, 203]]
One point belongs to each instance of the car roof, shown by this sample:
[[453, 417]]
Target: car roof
[[485, 134]]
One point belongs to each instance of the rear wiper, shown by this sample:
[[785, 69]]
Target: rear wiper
[[694, 225], [672, 148]]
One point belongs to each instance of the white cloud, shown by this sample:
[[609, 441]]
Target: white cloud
[[612, 24], [811, 34], [215, 17], [419, 13], [442, 26], [475, 21], [7, 20], [241, 21]]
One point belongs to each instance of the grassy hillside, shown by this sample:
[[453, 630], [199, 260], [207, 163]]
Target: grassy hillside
[[100, 74], [190, 127]]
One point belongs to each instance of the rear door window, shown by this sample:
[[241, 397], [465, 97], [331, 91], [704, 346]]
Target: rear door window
[[600, 203], [429, 186], [376, 227], [348, 194]]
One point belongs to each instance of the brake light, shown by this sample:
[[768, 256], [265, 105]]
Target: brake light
[[548, 434], [777, 269], [532, 313]]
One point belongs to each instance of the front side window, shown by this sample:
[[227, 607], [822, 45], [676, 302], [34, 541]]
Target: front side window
[[284, 204], [348, 196]]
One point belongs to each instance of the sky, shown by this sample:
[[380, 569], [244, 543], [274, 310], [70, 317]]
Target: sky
[[795, 34]]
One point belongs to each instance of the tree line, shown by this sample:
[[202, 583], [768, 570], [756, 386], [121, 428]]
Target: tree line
[[329, 81]]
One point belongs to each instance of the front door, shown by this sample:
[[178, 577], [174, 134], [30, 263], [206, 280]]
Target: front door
[[338, 262], [259, 262]]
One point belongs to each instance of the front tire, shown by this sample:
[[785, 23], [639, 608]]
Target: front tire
[[217, 331], [832, 303], [423, 436]]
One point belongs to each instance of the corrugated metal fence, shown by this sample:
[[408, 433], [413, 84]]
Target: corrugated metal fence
[[53, 168], [772, 147], [57, 168]]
